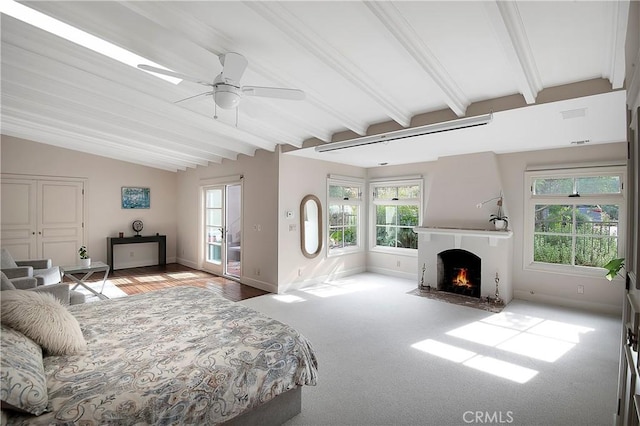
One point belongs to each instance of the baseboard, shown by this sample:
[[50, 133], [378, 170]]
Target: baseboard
[[262, 285], [298, 285], [185, 262], [559, 301], [393, 273]]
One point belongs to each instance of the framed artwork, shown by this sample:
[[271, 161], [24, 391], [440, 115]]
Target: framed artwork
[[136, 198]]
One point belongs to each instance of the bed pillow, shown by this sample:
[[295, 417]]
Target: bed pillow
[[43, 318], [23, 385]]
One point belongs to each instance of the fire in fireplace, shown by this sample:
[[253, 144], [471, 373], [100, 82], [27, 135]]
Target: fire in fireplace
[[459, 271]]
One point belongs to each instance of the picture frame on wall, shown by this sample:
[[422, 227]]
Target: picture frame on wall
[[136, 197]]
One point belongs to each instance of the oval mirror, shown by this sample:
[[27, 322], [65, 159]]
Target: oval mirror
[[310, 226]]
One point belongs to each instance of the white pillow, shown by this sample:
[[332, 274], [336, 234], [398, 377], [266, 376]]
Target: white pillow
[[43, 318]]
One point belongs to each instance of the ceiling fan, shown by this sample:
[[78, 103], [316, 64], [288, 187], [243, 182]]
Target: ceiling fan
[[227, 91]]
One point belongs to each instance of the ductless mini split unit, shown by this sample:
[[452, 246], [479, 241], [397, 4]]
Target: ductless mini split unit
[[446, 126]]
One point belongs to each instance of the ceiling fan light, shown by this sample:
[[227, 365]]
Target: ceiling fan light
[[226, 99]]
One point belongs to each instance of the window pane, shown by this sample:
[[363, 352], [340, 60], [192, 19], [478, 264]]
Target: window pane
[[336, 237], [350, 236], [592, 251], [335, 215], [335, 191], [407, 238], [412, 191], [386, 192], [408, 215], [598, 185], [351, 192], [386, 236], [553, 218], [344, 192], [386, 215], [214, 217], [552, 249], [214, 198], [559, 186], [597, 220]]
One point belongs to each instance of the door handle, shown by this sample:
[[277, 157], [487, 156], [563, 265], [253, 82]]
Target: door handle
[[222, 233]]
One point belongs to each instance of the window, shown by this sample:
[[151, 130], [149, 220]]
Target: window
[[396, 210], [345, 199], [573, 219]]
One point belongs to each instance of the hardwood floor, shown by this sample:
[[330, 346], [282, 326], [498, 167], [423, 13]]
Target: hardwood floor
[[149, 278]]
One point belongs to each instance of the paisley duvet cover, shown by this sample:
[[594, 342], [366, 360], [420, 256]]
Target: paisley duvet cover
[[177, 356]]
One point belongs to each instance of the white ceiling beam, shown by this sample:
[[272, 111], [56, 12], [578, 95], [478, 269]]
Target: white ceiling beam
[[278, 16], [47, 118], [78, 113], [406, 35], [55, 136], [29, 51], [615, 68], [183, 24], [509, 28]]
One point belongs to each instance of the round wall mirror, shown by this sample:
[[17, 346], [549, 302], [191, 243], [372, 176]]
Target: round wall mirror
[[310, 226]]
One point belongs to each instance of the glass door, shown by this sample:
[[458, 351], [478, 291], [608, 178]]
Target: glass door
[[223, 229]]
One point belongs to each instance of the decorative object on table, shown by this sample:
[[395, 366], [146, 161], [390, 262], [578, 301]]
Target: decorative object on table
[[136, 198], [499, 220], [137, 226], [613, 268], [120, 234], [85, 259]]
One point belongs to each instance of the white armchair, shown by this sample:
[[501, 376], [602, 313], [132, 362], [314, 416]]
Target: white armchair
[[61, 291], [40, 269]]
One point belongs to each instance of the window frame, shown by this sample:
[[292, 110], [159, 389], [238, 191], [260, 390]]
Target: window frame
[[531, 200], [352, 182], [373, 202]]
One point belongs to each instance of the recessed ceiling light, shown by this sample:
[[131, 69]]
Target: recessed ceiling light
[[75, 35]]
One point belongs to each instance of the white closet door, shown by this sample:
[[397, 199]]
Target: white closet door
[[43, 219], [19, 227], [60, 220]]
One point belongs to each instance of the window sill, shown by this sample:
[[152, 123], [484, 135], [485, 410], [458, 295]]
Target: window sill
[[576, 271], [395, 251], [343, 252]]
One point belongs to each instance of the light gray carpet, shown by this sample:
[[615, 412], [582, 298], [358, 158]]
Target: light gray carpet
[[550, 365]]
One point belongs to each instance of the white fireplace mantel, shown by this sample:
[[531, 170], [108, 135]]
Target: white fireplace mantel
[[458, 233]]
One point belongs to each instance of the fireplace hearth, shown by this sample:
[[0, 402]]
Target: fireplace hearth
[[459, 272]]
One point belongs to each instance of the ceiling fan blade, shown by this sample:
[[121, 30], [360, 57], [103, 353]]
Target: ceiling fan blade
[[156, 70], [210, 92], [274, 92], [233, 66]]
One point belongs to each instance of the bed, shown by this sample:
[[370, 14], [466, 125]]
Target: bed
[[177, 356]]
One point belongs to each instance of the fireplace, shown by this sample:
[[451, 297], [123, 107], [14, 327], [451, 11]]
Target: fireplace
[[459, 271], [491, 251]]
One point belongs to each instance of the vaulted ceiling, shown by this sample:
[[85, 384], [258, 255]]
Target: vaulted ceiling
[[359, 63]]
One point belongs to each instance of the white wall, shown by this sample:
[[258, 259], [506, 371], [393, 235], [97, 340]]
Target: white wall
[[599, 294], [105, 217], [300, 177], [274, 183], [260, 207]]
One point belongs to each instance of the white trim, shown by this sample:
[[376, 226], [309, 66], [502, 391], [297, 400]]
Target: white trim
[[396, 179], [223, 180], [349, 179], [573, 166], [575, 171], [373, 201], [338, 180]]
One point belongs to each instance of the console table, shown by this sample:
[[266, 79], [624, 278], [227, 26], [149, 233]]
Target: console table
[[160, 239]]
